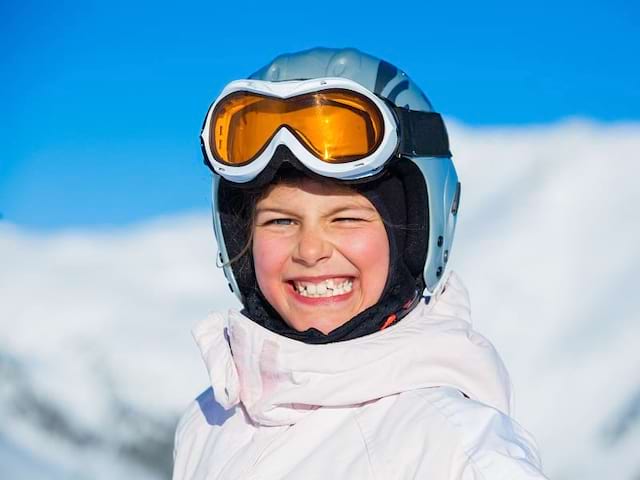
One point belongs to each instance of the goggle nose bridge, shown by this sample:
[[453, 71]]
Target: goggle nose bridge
[[285, 136]]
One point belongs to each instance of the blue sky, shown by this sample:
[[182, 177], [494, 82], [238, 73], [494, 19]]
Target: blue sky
[[105, 100]]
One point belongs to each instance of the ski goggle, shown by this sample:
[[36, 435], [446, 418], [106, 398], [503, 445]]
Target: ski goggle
[[334, 126]]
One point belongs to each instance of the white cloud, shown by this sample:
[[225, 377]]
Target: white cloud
[[547, 242]]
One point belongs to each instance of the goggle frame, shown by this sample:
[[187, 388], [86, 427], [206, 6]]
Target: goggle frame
[[356, 169]]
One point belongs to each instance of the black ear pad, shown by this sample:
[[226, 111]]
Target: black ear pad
[[235, 208], [417, 200], [400, 195]]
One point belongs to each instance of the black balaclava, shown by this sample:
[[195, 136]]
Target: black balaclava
[[399, 196]]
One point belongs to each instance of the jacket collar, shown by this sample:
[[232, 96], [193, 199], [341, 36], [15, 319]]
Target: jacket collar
[[280, 380]]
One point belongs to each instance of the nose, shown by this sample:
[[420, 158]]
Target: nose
[[312, 247]]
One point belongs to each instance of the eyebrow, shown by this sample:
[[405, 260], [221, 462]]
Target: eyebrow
[[331, 212]]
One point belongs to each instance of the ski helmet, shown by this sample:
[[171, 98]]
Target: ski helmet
[[430, 181]]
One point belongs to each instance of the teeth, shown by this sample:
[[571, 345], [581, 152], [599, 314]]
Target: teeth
[[327, 288]]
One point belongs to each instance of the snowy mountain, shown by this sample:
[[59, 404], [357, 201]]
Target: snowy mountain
[[97, 362]]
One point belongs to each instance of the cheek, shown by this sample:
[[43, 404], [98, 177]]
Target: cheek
[[269, 257], [369, 252]]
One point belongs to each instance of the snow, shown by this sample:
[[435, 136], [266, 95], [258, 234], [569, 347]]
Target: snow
[[97, 360]]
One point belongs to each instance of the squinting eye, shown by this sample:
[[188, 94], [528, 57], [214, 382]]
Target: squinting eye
[[348, 219], [279, 221]]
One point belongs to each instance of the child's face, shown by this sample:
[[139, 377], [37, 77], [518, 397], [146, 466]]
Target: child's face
[[321, 253]]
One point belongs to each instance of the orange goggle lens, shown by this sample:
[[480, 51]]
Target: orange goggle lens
[[336, 126]]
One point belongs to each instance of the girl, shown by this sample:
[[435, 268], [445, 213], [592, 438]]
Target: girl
[[335, 202]]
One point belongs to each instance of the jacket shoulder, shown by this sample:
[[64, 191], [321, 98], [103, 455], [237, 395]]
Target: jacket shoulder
[[438, 432], [485, 442]]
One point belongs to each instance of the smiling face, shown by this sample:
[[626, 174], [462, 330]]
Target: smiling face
[[321, 253]]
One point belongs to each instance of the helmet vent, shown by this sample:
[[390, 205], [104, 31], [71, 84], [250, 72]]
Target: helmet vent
[[456, 200]]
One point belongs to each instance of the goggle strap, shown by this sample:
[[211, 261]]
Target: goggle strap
[[423, 134]]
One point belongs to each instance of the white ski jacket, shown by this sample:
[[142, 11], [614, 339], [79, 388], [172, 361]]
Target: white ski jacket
[[426, 398]]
